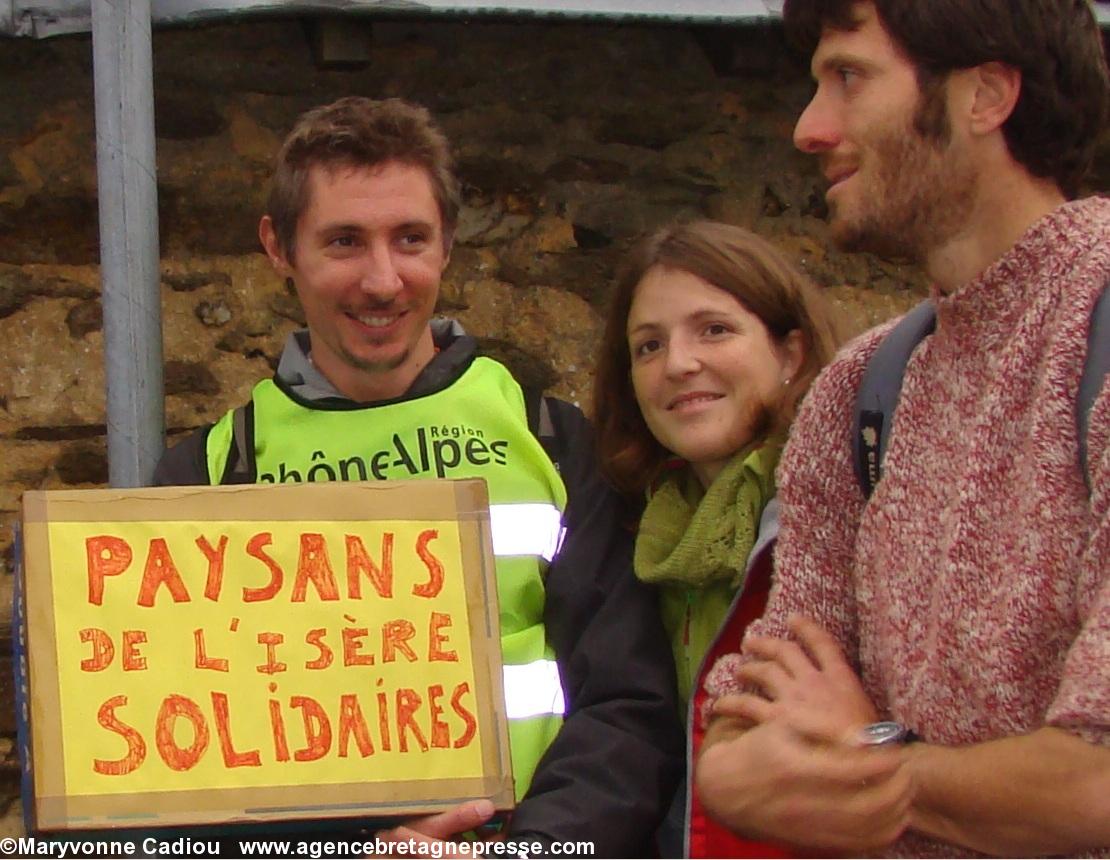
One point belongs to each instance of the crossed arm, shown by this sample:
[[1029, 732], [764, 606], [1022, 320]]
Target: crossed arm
[[783, 766]]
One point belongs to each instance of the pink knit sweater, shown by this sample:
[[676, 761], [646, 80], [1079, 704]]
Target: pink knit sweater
[[973, 590]]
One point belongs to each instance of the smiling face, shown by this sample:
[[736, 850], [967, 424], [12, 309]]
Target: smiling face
[[704, 368], [900, 184], [370, 253]]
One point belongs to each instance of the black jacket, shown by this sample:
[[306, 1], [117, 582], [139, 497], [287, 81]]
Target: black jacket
[[611, 772]]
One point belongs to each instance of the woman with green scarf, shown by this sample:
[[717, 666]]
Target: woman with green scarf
[[711, 341]]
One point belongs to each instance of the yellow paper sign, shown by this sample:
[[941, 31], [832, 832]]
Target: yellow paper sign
[[177, 657]]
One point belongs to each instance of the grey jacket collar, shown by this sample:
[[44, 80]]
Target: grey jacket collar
[[455, 350]]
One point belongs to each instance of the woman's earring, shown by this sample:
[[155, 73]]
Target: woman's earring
[[786, 382]]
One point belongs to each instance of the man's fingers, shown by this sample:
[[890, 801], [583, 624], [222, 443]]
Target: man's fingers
[[819, 725], [745, 706], [406, 842], [768, 676], [444, 825], [821, 645], [785, 653], [403, 834]]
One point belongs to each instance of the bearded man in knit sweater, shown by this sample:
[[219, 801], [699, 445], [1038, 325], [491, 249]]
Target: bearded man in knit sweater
[[968, 599]]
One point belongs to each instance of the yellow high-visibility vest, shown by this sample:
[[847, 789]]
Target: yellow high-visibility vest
[[475, 428]]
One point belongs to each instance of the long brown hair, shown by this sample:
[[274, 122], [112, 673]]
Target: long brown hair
[[761, 279]]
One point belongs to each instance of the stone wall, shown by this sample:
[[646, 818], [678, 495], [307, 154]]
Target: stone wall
[[572, 141]]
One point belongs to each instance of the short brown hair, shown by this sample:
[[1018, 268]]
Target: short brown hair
[[360, 132], [1055, 44], [762, 280]]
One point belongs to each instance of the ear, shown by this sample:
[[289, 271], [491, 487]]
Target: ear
[[269, 239], [792, 353], [997, 87], [448, 244]]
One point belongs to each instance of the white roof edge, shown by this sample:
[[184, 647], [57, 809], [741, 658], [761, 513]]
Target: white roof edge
[[45, 18]]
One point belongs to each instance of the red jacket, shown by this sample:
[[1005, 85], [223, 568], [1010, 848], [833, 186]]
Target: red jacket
[[705, 837]]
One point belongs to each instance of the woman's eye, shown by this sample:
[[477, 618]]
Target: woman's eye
[[646, 347], [716, 329]]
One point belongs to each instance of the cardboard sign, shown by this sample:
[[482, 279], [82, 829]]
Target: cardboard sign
[[256, 653]]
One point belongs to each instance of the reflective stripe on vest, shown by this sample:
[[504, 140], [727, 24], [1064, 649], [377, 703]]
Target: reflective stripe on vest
[[533, 690], [528, 529]]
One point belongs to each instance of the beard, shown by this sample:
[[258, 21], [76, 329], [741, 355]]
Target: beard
[[377, 365], [917, 192]]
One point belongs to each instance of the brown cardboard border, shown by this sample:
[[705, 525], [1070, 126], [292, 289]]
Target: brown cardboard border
[[278, 803], [481, 606], [284, 501], [466, 501], [47, 739]]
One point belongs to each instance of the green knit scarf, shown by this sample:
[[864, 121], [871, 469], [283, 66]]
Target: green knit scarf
[[692, 539]]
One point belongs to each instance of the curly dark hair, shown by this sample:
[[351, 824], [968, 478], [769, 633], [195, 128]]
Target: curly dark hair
[[360, 132], [1055, 44]]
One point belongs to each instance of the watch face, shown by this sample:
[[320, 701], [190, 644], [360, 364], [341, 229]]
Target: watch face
[[880, 734]]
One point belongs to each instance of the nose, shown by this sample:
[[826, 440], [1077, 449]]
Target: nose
[[816, 130], [682, 359], [381, 281]]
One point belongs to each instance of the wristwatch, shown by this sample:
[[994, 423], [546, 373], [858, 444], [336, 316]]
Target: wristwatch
[[885, 733]]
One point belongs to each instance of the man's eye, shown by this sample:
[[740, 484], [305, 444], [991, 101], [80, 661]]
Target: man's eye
[[846, 74], [344, 241], [413, 239]]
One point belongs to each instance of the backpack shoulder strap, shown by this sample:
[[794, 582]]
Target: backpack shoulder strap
[[1094, 375], [880, 388], [882, 384], [541, 423], [240, 468]]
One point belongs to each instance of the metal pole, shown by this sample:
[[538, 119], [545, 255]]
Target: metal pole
[[128, 200]]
